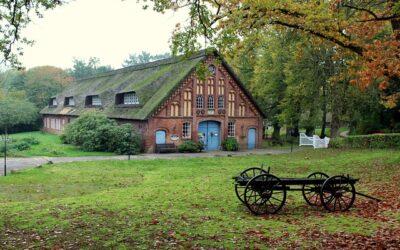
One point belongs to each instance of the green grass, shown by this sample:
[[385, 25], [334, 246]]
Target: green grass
[[181, 203], [49, 145]]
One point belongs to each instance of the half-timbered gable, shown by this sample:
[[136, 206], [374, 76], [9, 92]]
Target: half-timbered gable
[[169, 102]]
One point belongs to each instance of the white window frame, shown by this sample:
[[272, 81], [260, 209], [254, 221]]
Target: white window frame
[[54, 102], [210, 102], [96, 101], [70, 100], [200, 102], [221, 102], [130, 98], [231, 129], [186, 130]]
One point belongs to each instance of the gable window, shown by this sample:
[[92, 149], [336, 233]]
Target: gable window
[[221, 86], [231, 129], [212, 69], [174, 109], [53, 102], [199, 102], [93, 100], [131, 98], [231, 104], [210, 103], [69, 101], [220, 102], [242, 109], [200, 86], [186, 130], [187, 103], [210, 86]]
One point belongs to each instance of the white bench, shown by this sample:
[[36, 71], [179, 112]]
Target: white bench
[[314, 141]]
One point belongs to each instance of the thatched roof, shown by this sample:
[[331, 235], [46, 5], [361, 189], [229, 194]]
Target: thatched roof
[[152, 82]]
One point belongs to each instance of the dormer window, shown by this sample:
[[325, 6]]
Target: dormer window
[[131, 98], [93, 100], [53, 102], [128, 98], [69, 101]]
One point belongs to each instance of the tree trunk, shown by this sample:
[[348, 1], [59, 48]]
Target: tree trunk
[[276, 134], [310, 131], [323, 126], [335, 125]]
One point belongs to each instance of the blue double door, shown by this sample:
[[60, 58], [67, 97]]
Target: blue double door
[[210, 134]]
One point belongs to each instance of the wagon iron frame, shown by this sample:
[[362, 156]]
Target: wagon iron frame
[[264, 193]]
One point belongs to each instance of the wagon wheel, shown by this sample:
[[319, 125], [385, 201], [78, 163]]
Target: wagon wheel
[[250, 172], [337, 194], [311, 191], [265, 194]]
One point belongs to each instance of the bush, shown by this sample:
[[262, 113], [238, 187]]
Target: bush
[[337, 143], [190, 147], [95, 132], [230, 144], [21, 146], [369, 141], [31, 140]]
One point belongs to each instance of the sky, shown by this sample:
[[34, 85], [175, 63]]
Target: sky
[[107, 29]]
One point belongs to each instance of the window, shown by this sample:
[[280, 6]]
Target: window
[[199, 102], [212, 69], [93, 100], [96, 100], [221, 102], [187, 103], [210, 104], [210, 86], [221, 86], [186, 130], [69, 101], [231, 129], [131, 98], [174, 109], [242, 109], [231, 104], [53, 102], [200, 86]]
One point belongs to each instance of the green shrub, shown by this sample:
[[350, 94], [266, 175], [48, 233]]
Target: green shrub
[[95, 132], [337, 143], [230, 144], [369, 141], [31, 140], [190, 147], [21, 146]]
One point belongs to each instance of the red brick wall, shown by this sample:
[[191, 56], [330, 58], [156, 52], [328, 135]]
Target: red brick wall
[[162, 119], [55, 123]]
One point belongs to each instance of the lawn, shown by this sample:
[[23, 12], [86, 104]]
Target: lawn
[[190, 203], [49, 145]]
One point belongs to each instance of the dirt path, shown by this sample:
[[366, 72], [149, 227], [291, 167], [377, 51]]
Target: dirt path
[[21, 163]]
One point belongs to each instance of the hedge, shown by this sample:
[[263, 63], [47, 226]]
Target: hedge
[[367, 141]]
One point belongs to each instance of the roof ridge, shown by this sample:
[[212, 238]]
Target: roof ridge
[[148, 65]]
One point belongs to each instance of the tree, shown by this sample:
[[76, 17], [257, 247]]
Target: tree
[[143, 57], [82, 69], [15, 112], [43, 82], [268, 83], [369, 29], [14, 16]]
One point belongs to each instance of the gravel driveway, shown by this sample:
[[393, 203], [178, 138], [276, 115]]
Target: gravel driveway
[[21, 163]]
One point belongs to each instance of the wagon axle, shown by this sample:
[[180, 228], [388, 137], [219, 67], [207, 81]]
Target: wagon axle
[[264, 193]]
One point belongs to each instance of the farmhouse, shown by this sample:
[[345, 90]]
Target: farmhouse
[[167, 102]]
